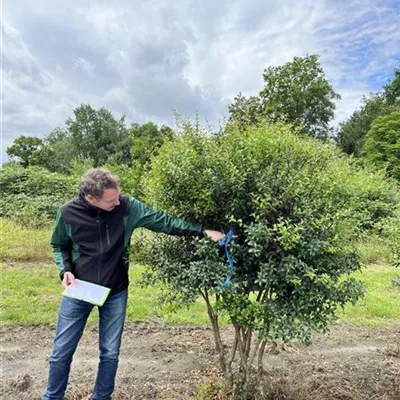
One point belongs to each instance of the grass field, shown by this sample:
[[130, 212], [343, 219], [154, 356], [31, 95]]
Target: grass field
[[30, 296], [30, 288], [18, 243], [380, 307]]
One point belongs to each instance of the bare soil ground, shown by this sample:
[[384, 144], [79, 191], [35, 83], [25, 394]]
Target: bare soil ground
[[169, 362]]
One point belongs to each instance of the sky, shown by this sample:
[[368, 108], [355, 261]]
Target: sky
[[144, 58]]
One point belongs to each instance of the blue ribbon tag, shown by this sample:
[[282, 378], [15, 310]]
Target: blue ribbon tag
[[225, 241]]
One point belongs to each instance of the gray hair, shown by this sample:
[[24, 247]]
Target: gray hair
[[96, 180]]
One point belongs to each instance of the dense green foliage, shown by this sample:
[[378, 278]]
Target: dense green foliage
[[94, 138], [382, 144], [97, 135], [146, 140], [391, 231], [392, 89], [298, 207], [32, 195], [352, 133], [245, 111]]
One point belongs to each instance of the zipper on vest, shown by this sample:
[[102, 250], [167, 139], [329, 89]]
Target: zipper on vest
[[101, 248], [108, 236]]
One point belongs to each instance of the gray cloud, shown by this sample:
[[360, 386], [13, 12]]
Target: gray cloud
[[143, 58], [85, 66]]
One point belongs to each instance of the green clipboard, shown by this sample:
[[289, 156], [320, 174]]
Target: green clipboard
[[87, 291]]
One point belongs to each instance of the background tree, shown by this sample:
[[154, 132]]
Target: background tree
[[58, 152], [392, 89], [351, 135], [299, 93], [89, 135], [96, 134], [382, 144], [146, 141], [245, 111], [352, 132], [25, 150]]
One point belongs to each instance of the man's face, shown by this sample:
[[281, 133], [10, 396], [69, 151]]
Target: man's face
[[108, 201]]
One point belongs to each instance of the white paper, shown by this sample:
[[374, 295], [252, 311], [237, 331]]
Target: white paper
[[86, 291]]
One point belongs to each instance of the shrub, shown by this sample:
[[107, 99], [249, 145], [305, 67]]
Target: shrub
[[382, 143], [391, 231], [31, 196], [297, 206], [130, 177]]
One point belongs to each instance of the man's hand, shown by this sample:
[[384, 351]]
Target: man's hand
[[69, 279], [214, 235]]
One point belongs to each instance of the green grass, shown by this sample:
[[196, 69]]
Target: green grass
[[374, 250], [18, 243], [143, 305], [30, 296], [380, 307]]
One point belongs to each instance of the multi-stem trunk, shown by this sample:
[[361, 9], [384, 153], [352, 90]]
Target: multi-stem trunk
[[226, 366], [248, 351]]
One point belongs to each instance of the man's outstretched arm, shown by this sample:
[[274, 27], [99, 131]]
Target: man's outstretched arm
[[158, 221]]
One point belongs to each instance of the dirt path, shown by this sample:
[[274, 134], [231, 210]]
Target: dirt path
[[166, 362]]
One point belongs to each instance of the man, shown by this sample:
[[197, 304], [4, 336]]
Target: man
[[90, 242]]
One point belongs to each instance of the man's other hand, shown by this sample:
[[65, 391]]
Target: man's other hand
[[69, 279]]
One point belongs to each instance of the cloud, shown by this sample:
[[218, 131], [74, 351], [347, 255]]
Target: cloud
[[85, 66], [34, 102], [143, 58]]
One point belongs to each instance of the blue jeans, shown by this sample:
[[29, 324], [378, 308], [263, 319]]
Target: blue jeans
[[71, 323]]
